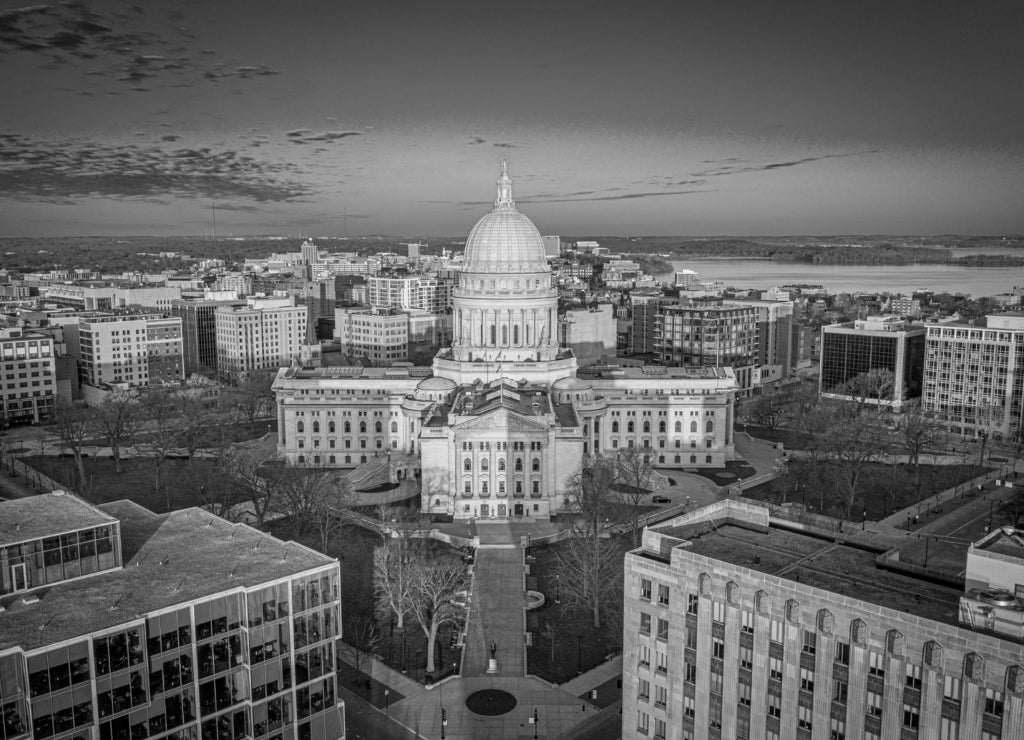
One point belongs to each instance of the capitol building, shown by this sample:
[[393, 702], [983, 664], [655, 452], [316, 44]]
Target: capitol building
[[501, 421]]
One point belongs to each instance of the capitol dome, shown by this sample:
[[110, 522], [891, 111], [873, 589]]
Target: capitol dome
[[505, 241]]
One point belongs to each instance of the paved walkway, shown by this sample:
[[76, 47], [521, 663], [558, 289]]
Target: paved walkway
[[497, 616]]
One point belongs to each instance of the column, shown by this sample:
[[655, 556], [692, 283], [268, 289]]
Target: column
[[823, 652], [280, 423], [759, 676], [702, 694], [793, 641], [857, 690], [892, 697], [730, 670], [931, 702]]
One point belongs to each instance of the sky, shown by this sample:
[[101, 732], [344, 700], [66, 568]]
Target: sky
[[639, 118]]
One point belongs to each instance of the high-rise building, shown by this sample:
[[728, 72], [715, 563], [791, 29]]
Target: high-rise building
[[199, 333], [876, 343], [504, 417], [133, 349], [121, 623], [425, 292], [708, 331], [739, 626], [265, 334], [28, 377], [645, 307], [974, 376]]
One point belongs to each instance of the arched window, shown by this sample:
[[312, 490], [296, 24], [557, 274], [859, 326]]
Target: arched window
[[647, 427], [615, 427], [348, 427], [330, 427], [483, 464], [501, 464], [515, 334], [630, 427], [378, 427], [316, 427], [679, 427], [467, 487], [494, 334], [501, 486], [483, 488], [362, 427], [536, 464], [394, 427], [519, 464], [693, 427], [661, 427], [467, 465], [300, 427], [504, 333], [519, 486], [709, 427]]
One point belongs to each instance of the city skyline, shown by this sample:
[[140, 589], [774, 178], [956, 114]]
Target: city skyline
[[669, 120]]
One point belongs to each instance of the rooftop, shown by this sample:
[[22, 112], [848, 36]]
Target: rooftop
[[654, 372], [46, 515], [355, 371], [824, 564], [526, 400], [168, 559]]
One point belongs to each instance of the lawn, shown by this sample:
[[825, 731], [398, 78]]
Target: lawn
[[180, 480], [578, 645], [880, 492]]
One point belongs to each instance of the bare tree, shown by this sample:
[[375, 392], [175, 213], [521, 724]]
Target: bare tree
[[157, 436], [917, 432], [362, 636], [876, 384], [849, 445], [633, 483], [590, 562], [74, 425], [436, 578], [392, 577], [117, 419], [252, 397], [308, 496], [248, 476]]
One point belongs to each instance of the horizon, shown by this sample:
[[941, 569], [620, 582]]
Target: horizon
[[763, 121]]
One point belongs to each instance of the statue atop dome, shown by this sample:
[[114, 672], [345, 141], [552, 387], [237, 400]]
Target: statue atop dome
[[504, 187]]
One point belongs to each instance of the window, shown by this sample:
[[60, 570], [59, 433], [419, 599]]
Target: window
[[803, 718], [300, 427], [717, 648], [774, 705], [660, 696], [949, 729], [911, 716], [645, 655], [717, 611], [951, 689], [876, 665], [501, 464], [643, 691], [744, 694], [837, 729], [777, 633], [775, 668], [994, 702], [691, 603], [810, 643], [662, 658], [874, 705], [842, 652], [663, 629], [467, 464], [316, 427], [642, 720], [688, 707], [747, 657], [913, 676], [645, 589], [659, 728], [535, 466], [747, 622], [663, 594], [807, 679], [645, 623], [690, 672], [630, 427], [840, 691]]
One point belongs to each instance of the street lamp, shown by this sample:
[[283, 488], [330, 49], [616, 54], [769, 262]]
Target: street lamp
[[558, 588], [864, 521], [579, 655], [535, 721]]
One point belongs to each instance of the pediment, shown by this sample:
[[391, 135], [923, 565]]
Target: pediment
[[501, 420]]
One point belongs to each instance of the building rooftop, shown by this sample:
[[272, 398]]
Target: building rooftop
[[355, 371], [526, 400], [654, 372], [168, 559], [824, 564], [47, 515]]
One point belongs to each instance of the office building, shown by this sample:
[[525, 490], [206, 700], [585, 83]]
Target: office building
[[876, 343], [588, 332], [199, 334], [974, 376], [740, 626], [107, 296], [130, 349], [121, 623], [425, 292], [265, 334], [28, 377]]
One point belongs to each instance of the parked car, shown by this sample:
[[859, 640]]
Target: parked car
[[661, 500]]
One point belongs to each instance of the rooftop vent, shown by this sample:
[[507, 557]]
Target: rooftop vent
[[998, 597]]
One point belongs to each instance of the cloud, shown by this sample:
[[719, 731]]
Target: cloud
[[476, 140], [730, 169], [305, 136], [503, 145], [34, 169], [623, 196]]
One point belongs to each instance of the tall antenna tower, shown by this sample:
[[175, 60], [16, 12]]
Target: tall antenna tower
[[214, 218]]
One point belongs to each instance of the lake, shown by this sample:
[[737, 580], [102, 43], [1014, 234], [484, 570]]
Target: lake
[[975, 281]]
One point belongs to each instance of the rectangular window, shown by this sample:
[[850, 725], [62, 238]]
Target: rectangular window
[[951, 689], [747, 622], [642, 723], [691, 603], [645, 589], [744, 694], [689, 672], [994, 702], [804, 715], [774, 706], [776, 635], [810, 645], [643, 690], [842, 652], [718, 611], [688, 707], [717, 648], [840, 690], [874, 705], [645, 623], [746, 657], [659, 728], [663, 629], [837, 729], [911, 716], [913, 676], [807, 679], [663, 594], [876, 665], [645, 655], [660, 696], [775, 668]]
